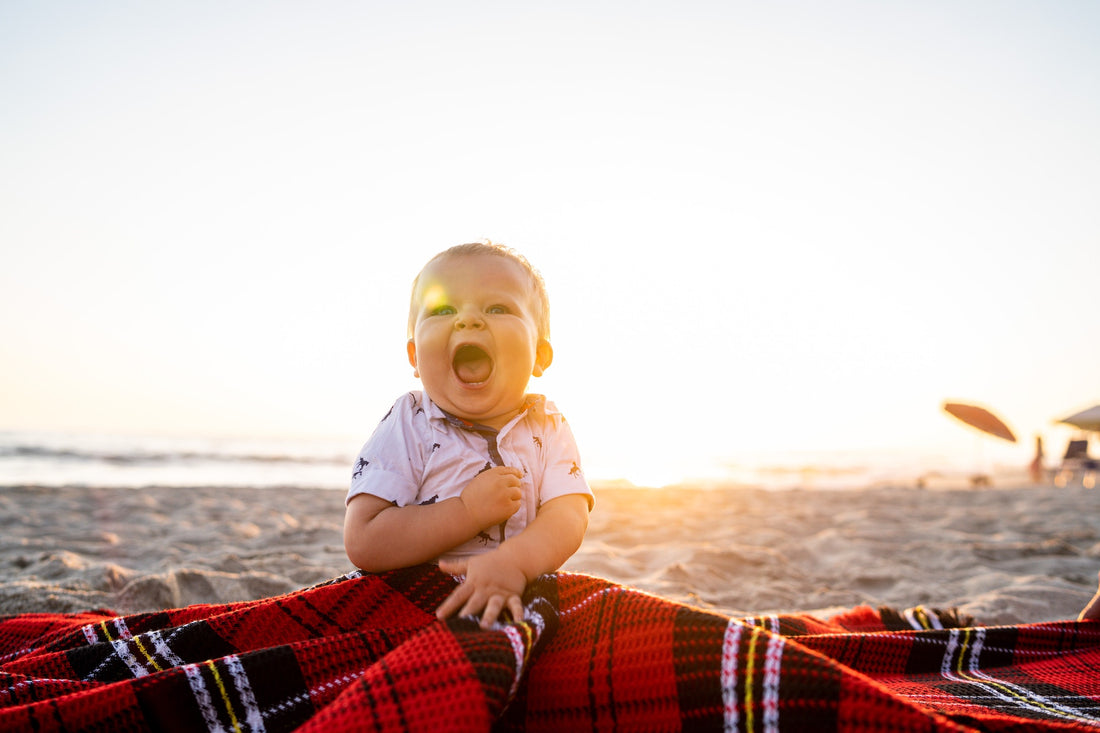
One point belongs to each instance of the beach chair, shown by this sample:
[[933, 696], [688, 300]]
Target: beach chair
[[1077, 461]]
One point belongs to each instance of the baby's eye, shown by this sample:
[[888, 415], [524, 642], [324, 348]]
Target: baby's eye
[[444, 310], [497, 309]]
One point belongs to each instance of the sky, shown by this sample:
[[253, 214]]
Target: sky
[[771, 231]]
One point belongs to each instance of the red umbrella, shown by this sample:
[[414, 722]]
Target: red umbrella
[[980, 418]]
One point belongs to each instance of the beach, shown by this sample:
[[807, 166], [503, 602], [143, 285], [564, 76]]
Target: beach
[[1001, 555]]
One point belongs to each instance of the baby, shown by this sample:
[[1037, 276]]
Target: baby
[[473, 471]]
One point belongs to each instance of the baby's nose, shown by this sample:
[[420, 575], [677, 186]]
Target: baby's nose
[[469, 319]]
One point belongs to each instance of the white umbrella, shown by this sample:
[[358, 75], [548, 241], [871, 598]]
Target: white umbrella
[[1085, 420]]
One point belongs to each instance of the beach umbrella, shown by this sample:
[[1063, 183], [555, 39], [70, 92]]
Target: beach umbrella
[[1086, 419], [980, 418]]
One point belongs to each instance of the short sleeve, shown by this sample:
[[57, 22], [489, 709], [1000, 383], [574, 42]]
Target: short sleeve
[[562, 474], [390, 464]]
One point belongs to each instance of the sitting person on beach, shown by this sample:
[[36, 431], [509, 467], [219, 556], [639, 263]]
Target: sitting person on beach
[[472, 472]]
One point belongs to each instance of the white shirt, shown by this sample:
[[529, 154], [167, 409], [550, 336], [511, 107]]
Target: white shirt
[[419, 454]]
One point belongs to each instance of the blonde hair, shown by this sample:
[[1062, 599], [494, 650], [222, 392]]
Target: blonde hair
[[471, 249]]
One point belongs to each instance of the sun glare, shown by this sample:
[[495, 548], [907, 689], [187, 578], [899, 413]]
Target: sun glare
[[434, 296], [760, 230]]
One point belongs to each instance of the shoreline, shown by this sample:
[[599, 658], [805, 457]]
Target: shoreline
[[1002, 555]]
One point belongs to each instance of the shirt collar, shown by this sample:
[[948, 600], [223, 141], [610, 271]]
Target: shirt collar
[[534, 405]]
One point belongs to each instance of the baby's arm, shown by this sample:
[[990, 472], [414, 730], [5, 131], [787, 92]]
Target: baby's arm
[[497, 579], [380, 536]]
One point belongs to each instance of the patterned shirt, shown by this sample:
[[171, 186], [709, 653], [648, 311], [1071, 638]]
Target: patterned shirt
[[420, 454]]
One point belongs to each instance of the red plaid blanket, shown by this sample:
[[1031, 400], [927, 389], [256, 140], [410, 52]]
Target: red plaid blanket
[[365, 652]]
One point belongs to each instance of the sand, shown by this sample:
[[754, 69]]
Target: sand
[[1002, 555]]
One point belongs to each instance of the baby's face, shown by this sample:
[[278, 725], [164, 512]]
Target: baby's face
[[475, 343]]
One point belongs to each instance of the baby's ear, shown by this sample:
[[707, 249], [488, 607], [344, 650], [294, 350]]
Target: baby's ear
[[544, 355], [410, 347]]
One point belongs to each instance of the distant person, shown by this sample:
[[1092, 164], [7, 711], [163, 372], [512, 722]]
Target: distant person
[[472, 472], [1036, 469]]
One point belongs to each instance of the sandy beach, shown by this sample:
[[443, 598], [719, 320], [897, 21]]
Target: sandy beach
[[1002, 555]]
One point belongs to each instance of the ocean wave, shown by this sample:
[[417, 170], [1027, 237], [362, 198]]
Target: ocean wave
[[133, 457]]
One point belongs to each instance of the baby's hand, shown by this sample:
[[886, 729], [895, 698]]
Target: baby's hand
[[493, 496], [493, 583]]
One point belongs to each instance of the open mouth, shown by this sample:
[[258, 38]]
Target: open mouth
[[472, 364]]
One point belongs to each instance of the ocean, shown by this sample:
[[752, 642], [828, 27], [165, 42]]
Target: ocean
[[84, 459]]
